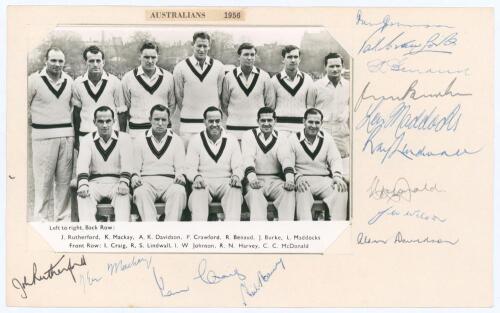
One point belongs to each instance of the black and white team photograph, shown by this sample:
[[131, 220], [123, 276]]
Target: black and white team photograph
[[132, 124]]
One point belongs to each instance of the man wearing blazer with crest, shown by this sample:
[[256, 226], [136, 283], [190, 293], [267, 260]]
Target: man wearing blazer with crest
[[49, 102]]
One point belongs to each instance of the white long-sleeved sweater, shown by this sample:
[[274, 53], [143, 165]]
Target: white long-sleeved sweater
[[140, 96], [166, 160], [197, 91], [50, 105], [322, 158], [104, 164], [220, 160], [243, 102], [272, 158], [291, 101]]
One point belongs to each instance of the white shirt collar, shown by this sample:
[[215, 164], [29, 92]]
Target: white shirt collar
[[325, 81], [43, 72], [303, 136], [194, 61], [259, 132], [239, 71], [149, 133], [285, 75], [113, 135], [223, 135], [86, 76], [140, 71]]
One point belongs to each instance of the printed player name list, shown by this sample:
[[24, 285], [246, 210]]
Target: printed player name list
[[265, 237]]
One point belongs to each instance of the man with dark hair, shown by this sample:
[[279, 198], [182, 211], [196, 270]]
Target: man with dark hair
[[319, 169], [198, 85], [93, 89], [104, 168], [211, 109], [246, 46], [49, 102], [94, 50], [291, 87], [334, 55], [267, 158], [330, 94], [245, 89], [158, 169], [146, 86], [213, 165], [201, 35]]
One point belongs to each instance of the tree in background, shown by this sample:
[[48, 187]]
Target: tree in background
[[314, 47], [173, 53], [222, 47], [130, 53], [70, 43], [269, 58], [122, 54]]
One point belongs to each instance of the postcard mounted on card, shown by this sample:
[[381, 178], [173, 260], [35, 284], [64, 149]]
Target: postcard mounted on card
[[283, 157]]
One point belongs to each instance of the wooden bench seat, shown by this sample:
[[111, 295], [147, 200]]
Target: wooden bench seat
[[106, 211], [215, 209]]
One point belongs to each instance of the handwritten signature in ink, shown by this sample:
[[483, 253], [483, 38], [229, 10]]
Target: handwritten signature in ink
[[54, 271]]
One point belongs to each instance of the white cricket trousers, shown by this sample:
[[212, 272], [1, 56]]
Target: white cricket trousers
[[321, 187], [272, 189], [162, 188], [231, 199], [87, 207], [52, 163]]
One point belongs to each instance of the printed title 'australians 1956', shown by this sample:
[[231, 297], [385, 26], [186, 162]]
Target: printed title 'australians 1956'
[[177, 15]]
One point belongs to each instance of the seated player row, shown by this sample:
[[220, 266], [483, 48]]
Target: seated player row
[[287, 170]]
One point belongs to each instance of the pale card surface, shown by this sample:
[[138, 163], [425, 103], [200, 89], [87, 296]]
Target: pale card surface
[[421, 229]]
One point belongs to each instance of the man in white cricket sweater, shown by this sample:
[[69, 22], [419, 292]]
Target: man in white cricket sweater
[[330, 94], [158, 169], [214, 166], [104, 168], [93, 89], [266, 158], [244, 90], [319, 169], [49, 97], [198, 85], [146, 86], [291, 87]]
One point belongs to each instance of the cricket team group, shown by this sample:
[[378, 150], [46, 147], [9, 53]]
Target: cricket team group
[[285, 140]]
